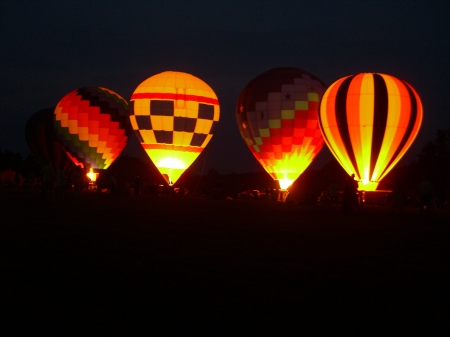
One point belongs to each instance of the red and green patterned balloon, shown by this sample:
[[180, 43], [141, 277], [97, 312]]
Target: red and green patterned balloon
[[93, 126], [277, 115]]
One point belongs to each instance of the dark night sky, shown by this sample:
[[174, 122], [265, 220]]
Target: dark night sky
[[49, 48]]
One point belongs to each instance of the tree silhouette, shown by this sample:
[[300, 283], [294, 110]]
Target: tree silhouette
[[434, 162]]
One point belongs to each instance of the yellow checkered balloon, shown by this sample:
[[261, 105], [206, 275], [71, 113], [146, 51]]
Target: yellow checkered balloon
[[173, 115]]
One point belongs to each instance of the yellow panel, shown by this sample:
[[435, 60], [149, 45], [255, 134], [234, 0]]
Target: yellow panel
[[366, 116], [354, 118], [216, 112], [133, 122], [192, 113], [393, 133], [203, 126], [167, 123], [157, 122], [178, 137], [180, 112], [335, 143], [187, 138], [142, 107], [191, 105], [148, 136]]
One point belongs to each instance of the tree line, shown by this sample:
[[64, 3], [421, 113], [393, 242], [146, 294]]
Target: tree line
[[432, 162]]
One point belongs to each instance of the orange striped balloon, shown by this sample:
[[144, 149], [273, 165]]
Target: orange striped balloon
[[369, 121]]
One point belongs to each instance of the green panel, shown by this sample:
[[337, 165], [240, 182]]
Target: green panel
[[117, 99], [75, 141], [248, 141], [66, 134], [98, 158], [274, 123], [313, 97], [82, 144], [264, 132], [301, 105], [256, 148], [287, 114], [258, 140]]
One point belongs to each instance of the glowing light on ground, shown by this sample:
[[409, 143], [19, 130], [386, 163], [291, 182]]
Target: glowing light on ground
[[92, 175]]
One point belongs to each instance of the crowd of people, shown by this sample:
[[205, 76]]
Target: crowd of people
[[351, 198]]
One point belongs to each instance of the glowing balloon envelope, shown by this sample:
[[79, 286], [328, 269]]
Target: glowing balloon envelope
[[369, 121], [277, 115], [40, 135], [173, 114], [93, 126]]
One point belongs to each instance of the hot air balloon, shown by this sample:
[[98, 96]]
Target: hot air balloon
[[173, 114], [43, 143], [93, 126], [277, 116], [369, 121]]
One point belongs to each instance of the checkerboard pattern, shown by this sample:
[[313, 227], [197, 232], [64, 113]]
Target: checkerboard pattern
[[93, 126], [183, 128], [277, 115], [174, 109], [173, 115]]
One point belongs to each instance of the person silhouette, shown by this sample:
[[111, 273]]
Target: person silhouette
[[351, 198]]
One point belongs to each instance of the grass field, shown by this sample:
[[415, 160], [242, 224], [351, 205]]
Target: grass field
[[176, 266]]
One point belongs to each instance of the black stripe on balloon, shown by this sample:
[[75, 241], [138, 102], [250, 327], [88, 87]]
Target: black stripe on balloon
[[324, 135], [380, 116], [115, 107], [409, 128], [340, 107]]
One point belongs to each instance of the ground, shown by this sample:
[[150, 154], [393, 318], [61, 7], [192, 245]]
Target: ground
[[175, 265]]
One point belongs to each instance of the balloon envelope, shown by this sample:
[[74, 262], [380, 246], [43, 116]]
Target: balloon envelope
[[277, 115], [368, 121], [173, 115], [93, 126], [43, 143]]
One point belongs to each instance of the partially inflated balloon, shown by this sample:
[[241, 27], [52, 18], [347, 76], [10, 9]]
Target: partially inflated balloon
[[369, 121], [173, 114], [93, 126], [277, 116], [43, 143]]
